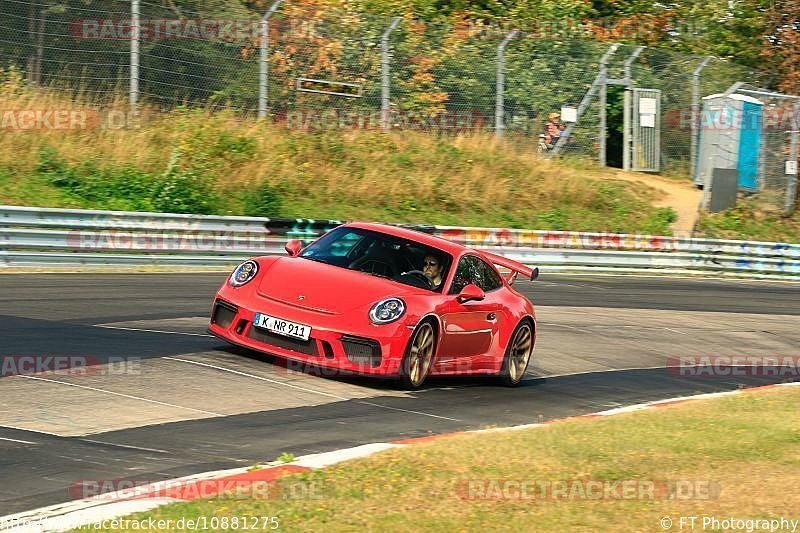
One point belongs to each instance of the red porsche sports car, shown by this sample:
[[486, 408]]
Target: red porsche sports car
[[382, 300]]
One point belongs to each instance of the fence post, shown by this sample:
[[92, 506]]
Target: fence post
[[263, 78], [790, 202], [696, 113], [135, 36], [603, 86], [500, 109], [629, 62], [627, 138], [386, 79], [587, 98]]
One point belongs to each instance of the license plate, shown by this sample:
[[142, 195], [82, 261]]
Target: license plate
[[282, 327]]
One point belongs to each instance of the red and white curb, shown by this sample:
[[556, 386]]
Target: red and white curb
[[110, 505]]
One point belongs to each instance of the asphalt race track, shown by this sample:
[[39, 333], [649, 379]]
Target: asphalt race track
[[166, 400]]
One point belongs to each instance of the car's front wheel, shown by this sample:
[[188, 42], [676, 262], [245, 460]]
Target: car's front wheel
[[419, 356], [518, 355]]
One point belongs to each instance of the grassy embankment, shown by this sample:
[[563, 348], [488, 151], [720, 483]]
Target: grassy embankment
[[731, 457], [752, 220], [201, 162], [196, 161]]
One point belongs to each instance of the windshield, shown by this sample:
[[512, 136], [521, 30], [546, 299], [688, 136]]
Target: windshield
[[382, 255]]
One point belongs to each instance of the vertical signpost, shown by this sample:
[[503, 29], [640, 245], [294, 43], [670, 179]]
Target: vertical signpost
[[263, 77], [626, 108], [500, 103], [587, 98], [696, 113], [791, 171], [386, 79], [135, 36]]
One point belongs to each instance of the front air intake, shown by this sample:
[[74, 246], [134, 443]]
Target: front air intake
[[362, 351], [223, 314]]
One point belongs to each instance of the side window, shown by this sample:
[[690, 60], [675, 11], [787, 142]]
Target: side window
[[491, 279], [465, 274], [472, 269]]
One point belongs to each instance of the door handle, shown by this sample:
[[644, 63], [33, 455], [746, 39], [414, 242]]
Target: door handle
[[491, 316]]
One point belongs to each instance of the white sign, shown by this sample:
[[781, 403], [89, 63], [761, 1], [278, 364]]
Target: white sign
[[791, 168], [647, 121], [569, 114], [647, 106]]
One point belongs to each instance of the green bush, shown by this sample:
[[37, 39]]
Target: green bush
[[263, 202], [175, 191], [184, 192], [660, 221], [233, 147]]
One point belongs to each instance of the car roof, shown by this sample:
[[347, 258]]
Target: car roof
[[433, 241]]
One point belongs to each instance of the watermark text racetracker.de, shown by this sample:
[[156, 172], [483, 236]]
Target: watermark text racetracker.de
[[728, 523], [68, 365], [65, 119], [199, 241], [587, 489], [239, 30], [199, 523], [166, 29], [726, 366], [141, 489]]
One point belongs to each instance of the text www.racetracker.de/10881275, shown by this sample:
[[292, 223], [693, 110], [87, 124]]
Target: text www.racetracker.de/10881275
[[200, 523]]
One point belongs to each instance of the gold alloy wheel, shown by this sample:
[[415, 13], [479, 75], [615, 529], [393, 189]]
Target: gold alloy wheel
[[520, 353], [421, 354]]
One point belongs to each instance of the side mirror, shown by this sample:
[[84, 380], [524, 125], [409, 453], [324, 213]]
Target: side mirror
[[293, 247], [471, 293], [535, 274]]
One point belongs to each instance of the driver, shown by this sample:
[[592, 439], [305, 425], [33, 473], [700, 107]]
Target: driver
[[432, 267]]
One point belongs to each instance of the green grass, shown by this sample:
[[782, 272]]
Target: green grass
[[202, 161], [197, 161], [747, 446], [749, 220], [320, 177]]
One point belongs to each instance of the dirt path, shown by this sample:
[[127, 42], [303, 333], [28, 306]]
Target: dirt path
[[681, 196]]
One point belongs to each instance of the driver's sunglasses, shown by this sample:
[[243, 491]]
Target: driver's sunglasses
[[431, 263]]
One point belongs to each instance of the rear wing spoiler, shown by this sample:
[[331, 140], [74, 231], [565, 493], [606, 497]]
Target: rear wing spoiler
[[514, 266]]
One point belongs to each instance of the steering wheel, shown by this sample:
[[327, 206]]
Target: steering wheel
[[372, 265], [420, 274]]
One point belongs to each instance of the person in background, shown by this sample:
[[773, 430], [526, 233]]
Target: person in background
[[543, 144], [551, 131], [562, 130]]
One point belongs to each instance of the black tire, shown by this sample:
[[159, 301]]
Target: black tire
[[419, 356], [515, 362]]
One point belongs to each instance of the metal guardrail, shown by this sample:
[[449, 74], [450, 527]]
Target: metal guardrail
[[69, 237]]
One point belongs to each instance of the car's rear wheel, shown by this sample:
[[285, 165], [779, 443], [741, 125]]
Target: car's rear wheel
[[418, 359], [518, 355]]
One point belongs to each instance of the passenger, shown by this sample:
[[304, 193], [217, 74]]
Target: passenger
[[432, 267]]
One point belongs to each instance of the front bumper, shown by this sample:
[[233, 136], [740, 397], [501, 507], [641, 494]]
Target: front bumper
[[362, 349]]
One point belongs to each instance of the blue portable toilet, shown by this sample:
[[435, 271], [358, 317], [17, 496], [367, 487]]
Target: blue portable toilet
[[730, 137]]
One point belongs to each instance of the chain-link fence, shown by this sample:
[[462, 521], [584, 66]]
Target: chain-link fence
[[779, 147], [310, 68]]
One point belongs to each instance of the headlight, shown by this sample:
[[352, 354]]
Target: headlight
[[387, 311], [244, 273]]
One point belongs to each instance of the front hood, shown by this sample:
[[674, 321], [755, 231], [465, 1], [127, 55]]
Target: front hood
[[325, 288]]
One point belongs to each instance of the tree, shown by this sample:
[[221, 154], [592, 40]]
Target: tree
[[782, 45]]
